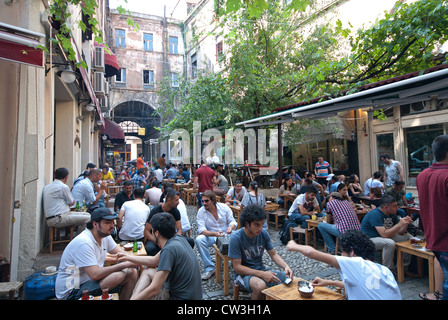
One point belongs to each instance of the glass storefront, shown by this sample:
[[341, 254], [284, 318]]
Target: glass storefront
[[418, 146], [335, 151]]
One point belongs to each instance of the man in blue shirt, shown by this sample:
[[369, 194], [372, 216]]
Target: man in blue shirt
[[85, 190], [171, 172], [184, 175], [384, 228], [246, 248]]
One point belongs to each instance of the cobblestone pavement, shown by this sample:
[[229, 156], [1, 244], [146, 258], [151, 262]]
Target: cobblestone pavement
[[302, 266]]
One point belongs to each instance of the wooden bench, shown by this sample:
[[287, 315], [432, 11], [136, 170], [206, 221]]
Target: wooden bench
[[11, 288]]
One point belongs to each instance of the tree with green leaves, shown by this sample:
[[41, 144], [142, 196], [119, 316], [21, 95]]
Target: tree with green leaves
[[275, 59]]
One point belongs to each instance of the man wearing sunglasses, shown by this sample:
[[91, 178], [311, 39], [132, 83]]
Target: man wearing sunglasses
[[214, 220]]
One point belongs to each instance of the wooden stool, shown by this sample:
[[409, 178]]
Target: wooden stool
[[236, 291], [225, 259], [55, 236], [300, 230], [11, 288], [276, 215]]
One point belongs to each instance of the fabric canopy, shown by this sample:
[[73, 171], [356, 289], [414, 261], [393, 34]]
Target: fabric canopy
[[110, 62], [113, 131], [20, 45]]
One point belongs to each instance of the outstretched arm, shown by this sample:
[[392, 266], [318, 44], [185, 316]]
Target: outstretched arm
[[314, 254]]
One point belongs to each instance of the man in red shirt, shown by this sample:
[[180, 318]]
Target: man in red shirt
[[203, 180], [432, 186]]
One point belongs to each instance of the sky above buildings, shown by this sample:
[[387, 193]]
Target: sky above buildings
[[153, 7]]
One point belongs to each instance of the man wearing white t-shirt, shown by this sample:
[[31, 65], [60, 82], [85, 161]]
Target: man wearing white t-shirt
[[158, 173], [303, 206], [236, 193], [373, 182], [152, 195], [82, 263], [362, 278], [132, 217]]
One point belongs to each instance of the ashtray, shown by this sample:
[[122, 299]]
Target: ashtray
[[305, 289], [417, 245]]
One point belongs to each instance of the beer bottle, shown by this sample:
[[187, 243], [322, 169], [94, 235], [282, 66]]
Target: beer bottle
[[135, 248]]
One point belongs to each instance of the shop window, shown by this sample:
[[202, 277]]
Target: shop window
[[419, 152]]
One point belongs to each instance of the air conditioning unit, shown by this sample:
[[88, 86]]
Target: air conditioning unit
[[98, 84], [106, 87], [423, 106], [104, 104], [98, 60]]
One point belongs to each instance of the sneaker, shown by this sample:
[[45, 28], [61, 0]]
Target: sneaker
[[208, 275]]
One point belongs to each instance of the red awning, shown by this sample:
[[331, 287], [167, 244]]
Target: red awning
[[113, 131], [110, 62], [21, 49], [111, 65]]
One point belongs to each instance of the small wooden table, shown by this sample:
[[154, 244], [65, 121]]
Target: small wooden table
[[361, 213], [114, 190], [111, 258], [179, 186], [421, 253], [291, 292], [312, 225]]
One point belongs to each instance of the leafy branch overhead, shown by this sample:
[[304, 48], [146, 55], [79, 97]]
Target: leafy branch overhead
[[276, 55], [64, 21]]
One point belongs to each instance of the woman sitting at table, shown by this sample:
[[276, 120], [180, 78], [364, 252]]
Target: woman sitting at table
[[354, 187], [375, 196], [285, 190], [343, 190], [252, 197]]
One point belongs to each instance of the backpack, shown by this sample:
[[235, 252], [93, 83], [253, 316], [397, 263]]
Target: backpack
[[284, 233]]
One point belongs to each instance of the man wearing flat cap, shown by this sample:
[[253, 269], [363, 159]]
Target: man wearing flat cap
[[82, 263]]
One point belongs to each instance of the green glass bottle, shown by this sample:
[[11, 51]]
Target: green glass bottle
[[135, 248]]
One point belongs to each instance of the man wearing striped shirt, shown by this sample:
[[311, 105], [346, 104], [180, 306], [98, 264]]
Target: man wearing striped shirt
[[344, 216], [322, 170]]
